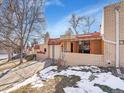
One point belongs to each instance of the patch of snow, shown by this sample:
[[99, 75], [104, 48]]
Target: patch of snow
[[88, 87], [83, 89], [73, 90], [75, 68], [3, 56], [92, 68], [109, 80], [95, 69], [82, 75], [48, 72], [33, 80], [4, 72], [83, 86]]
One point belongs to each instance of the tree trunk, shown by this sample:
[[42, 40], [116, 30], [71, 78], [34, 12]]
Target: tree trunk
[[21, 52], [21, 56], [9, 56]]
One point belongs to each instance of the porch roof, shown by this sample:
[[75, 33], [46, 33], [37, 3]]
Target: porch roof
[[89, 36], [57, 41]]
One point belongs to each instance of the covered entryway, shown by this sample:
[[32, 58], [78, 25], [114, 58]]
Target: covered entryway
[[54, 50]]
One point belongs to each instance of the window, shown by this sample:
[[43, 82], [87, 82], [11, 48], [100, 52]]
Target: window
[[45, 50], [84, 47]]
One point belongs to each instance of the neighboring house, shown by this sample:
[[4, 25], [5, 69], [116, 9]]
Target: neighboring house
[[104, 48], [41, 50], [114, 34]]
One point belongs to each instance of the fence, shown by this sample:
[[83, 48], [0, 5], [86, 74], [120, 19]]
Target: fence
[[74, 59]]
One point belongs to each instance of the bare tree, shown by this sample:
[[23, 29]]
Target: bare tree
[[19, 19], [81, 23], [69, 32], [88, 21], [34, 42], [6, 49], [75, 23]]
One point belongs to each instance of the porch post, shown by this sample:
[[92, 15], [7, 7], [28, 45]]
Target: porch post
[[53, 53]]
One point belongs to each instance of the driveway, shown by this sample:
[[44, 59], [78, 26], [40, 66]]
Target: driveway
[[22, 72]]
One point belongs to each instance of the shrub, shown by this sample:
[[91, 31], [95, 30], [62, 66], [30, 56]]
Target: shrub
[[92, 77], [30, 57]]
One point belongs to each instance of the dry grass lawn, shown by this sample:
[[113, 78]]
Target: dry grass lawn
[[10, 64]]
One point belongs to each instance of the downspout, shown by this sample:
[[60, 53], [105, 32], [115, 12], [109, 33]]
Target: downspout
[[117, 39]]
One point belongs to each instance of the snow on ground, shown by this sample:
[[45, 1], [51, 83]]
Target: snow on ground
[[85, 85], [109, 80], [3, 56], [83, 89], [34, 80]]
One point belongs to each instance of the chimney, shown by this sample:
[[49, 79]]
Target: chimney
[[46, 39]]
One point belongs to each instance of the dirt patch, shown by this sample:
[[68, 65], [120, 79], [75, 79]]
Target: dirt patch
[[66, 81], [122, 70], [27, 89], [109, 69], [55, 85]]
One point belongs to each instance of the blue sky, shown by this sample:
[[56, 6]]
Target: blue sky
[[58, 13]]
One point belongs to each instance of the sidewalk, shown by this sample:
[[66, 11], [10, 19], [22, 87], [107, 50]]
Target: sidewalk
[[21, 73], [7, 65]]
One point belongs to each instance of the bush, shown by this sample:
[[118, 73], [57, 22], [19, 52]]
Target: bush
[[30, 57], [92, 77]]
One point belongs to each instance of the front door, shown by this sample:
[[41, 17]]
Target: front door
[[71, 47]]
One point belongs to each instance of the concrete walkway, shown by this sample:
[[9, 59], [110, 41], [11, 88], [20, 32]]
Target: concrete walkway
[[22, 72]]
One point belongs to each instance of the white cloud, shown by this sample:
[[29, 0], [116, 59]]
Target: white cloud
[[54, 2]]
